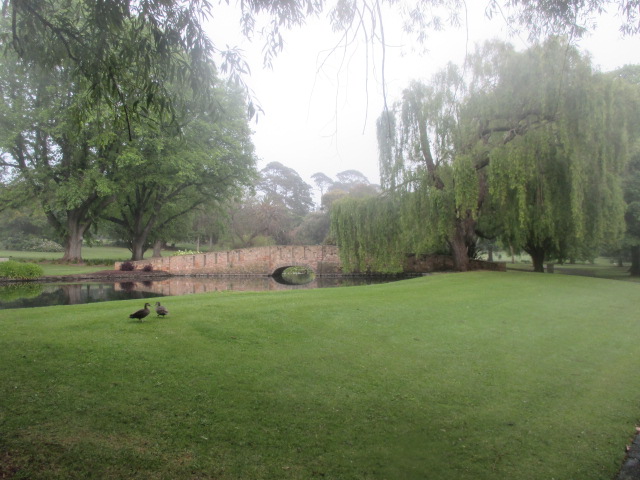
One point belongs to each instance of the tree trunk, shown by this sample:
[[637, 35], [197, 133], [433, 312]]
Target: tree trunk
[[635, 261], [137, 247], [73, 237], [463, 238], [157, 248], [537, 257]]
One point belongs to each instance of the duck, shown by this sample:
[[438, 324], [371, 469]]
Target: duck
[[143, 312], [161, 310]]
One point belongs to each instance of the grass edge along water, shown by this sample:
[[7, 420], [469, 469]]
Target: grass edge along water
[[478, 375]]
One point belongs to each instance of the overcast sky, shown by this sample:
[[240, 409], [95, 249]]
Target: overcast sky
[[320, 113]]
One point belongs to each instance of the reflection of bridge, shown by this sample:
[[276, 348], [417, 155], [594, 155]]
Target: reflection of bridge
[[322, 259]]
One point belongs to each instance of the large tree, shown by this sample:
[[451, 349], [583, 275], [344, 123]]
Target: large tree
[[69, 167], [536, 139], [280, 184], [172, 174], [557, 183]]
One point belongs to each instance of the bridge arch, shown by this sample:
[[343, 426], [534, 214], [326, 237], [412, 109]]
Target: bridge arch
[[279, 270], [302, 279]]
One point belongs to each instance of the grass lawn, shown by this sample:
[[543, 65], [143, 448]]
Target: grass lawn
[[112, 254], [455, 376], [106, 256]]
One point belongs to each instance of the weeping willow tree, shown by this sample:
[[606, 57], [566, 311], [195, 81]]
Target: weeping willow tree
[[556, 183], [531, 143], [426, 170]]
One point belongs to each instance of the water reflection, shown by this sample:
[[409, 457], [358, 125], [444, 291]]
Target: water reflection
[[23, 295]]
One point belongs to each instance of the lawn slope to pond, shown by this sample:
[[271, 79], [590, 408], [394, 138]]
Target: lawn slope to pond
[[455, 376]]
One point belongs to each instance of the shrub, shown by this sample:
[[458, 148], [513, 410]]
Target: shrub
[[186, 252], [147, 268], [43, 245], [127, 266], [20, 271], [30, 243]]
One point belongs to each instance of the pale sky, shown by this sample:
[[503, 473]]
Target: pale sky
[[320, 114]]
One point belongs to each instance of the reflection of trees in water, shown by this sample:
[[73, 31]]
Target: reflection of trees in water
[[16, 291], [71, 294]]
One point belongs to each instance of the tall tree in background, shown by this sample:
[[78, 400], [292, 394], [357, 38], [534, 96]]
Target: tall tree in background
[[281, 184], [322, 181]]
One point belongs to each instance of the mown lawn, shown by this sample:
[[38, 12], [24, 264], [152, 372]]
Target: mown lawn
[[99, 258], [113, 254], [454, 376]]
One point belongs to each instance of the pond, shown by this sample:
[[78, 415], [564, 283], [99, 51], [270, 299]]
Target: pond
[[32, 294]]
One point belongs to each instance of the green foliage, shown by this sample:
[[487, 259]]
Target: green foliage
[[170, 175], [529, 145], [279, 184], [30, 243], [186, 252], [313, 230], [557, 185], [20, 271], [366, 230]]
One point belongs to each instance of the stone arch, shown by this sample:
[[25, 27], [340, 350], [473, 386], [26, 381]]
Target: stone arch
[[278, 271]]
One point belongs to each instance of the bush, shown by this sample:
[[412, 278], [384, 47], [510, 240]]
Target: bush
[[127, 267], [31, 243], [147, 268], [186, 252], [20, 271], [43, 245]]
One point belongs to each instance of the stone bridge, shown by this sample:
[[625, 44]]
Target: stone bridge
[[273, 260], [323, 260]]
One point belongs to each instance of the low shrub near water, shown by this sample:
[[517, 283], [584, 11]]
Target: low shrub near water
[[20, 271], [127, 267]]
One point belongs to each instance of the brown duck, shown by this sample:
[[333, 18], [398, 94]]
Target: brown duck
[[143, 312], [161, 310]]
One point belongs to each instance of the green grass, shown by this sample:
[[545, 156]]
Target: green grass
[[106, 256], [457, 376], [113, 254], [602, 268], [56, 269]]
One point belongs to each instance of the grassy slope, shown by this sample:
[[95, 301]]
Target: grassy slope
[[465, 376]]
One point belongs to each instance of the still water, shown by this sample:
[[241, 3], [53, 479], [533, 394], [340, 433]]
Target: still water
[[24, 295]]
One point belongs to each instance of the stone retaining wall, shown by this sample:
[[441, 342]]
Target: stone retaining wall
[[322, 259]]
